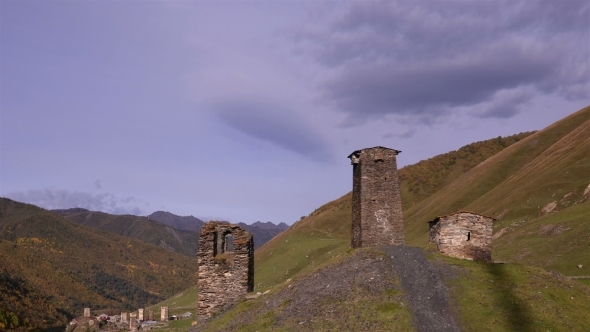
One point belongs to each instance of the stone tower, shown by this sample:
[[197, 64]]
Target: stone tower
[[164, 314], [226, 266], [376, 203]]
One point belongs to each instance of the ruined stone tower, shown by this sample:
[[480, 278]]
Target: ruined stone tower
[[376, 203], [226, 266]]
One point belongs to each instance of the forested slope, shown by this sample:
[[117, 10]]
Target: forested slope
[[61, 267]]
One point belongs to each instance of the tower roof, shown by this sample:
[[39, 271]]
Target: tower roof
[[460, 212], [375, 147]]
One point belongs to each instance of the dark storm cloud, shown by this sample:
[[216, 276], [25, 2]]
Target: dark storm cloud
[[275, 125], [426, 58], [52, 198]]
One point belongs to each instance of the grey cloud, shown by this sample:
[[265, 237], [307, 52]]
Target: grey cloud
[[275, 125], [504, 104], [403, 134], [428, 58], [52, 198], [97, 184]]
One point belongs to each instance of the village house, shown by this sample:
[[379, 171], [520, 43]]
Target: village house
[[463, 234]]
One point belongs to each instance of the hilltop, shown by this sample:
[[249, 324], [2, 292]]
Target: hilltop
[[404, 289], [535, 184], [532, 171]]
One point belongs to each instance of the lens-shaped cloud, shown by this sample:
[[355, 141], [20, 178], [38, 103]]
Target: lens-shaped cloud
[[276, 125]]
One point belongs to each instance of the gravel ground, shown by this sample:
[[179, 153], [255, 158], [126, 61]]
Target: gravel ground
[[349, 295], [422, 281]]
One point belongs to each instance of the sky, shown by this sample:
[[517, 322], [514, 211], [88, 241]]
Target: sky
[[246, 111]]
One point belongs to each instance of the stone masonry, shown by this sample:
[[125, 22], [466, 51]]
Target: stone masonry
[[376, 203], [133, 321], [462, 234], [226, 266], [164, 314]]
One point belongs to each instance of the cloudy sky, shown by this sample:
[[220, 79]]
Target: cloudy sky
[[246, 111]]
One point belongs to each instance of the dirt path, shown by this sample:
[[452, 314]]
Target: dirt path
[[364, 292], [424, 289]]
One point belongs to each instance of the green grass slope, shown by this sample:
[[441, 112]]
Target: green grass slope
[[356, 291], [61, 267], [423, 179], [515, 297], [325, 233], [308, 243], [482, 296], [514, 186], [140, 228]]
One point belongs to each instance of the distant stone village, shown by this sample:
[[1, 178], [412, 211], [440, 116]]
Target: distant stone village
[[128, 321], [225, 254]]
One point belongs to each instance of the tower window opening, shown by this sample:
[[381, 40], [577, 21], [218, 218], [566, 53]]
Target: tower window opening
[[229, 243], [468, 236]]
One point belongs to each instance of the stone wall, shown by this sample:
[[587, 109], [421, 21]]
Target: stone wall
[[164, 314], [226, 266], [463, 235], [377, 217]]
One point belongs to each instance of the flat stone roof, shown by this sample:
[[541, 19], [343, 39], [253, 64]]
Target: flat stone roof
[[375, 147], [461, 211]]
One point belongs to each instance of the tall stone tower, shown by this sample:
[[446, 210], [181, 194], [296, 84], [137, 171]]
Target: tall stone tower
[[376, 203], [226, 267]]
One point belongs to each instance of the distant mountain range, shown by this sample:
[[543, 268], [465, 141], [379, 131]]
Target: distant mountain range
[[188, 223], [167, 230], [262, 231], [145, 229]]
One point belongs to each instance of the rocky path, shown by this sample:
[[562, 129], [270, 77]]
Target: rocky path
[[424, 289]]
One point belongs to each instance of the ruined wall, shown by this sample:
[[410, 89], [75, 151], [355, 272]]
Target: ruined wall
[[463, 235], [226, 266], [377, 217]]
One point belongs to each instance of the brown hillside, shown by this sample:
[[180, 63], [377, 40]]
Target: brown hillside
[[65, 267]]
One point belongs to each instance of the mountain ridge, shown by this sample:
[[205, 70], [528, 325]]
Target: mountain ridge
[[61, 267]]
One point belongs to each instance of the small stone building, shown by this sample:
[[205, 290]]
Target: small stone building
[[376, 202], [463, 234], [226, 266]]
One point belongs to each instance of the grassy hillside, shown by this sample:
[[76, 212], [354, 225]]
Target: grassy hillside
[[359, 291], [61, 267], [140, 228], [426, 177], [326, 231], [513, 185], [550, 166], [517, 179]]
